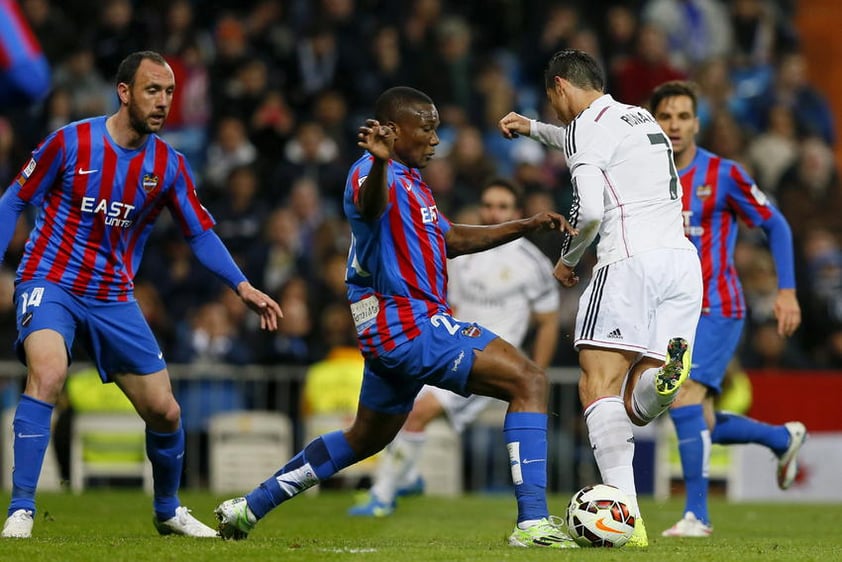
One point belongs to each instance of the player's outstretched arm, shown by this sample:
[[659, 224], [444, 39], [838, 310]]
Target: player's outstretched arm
[[513, 125], [468, 239], [269, 310]]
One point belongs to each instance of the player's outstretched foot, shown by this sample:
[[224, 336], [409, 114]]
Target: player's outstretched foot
[[639, 538], [689, 526], [548, 533], [676, 369], [414, 489], [788, 462], [235, 518], [370, 506], [182, 523], [18, 525]]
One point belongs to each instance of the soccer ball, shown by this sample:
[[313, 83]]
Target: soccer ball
[[599, 515]]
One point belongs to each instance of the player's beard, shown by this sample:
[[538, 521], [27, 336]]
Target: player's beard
[[139, 122]]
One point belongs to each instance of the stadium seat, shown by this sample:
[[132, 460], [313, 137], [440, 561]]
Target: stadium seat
[[108, 445], [245, 447]]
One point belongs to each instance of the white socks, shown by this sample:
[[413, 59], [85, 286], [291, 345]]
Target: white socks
[[610, 434], [646, 402], [398, 460]]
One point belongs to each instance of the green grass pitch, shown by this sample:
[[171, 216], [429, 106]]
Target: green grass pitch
[[115, 525]]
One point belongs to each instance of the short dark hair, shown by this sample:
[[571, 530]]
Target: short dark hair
[[129, 65], [395, 100], [674, 89], [512, 187], [578, 67]]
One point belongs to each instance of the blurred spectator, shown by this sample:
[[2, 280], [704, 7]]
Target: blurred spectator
[[239, 213], [232, 50], [276, 259], [386, 66], [11, 154], [190, 110], [791, 89], [446, 74], [310, 153], [180, 32], [210, 338], [90, 94], [617, 36], [269, 30], [821, 293], [636, 77], [717, 95], [55, 32], [810, 193], [774, 150], [310, 210], [696, 29], [8, 328], [117, 34], [247, 90], [330, 110], [290, 345], [315, 66], [725, 137], [556, 28], [472, 167], [272, 126], [229, 148]]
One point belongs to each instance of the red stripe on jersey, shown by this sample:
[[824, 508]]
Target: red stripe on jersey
[[110, 276], [74, 216], [745, 186], [29, 40], [706, 246], [712, 180], [46, 160], [51, 208], [193, 198], [403, 257]]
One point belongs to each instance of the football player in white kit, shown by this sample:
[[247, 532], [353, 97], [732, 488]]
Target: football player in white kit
[[645, 293], [504, 289]]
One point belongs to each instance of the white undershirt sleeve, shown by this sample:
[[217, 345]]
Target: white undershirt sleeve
[[588, 208]]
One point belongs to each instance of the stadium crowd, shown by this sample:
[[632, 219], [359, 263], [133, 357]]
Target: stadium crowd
[[270, 94]]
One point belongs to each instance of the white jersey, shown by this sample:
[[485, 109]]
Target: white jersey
[[624, 181], [499, 288]]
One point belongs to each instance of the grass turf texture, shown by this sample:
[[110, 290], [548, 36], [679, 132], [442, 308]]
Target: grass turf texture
[[111, 525]]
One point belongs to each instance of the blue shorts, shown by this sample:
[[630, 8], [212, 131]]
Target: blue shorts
[[442, 355], [115, 334], [716, 341]]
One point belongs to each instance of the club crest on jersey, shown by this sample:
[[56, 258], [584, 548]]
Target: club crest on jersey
[[150, 182], [472, 331], [703, 191]]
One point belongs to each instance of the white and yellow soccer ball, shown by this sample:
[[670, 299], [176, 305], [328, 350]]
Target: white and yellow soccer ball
[[599, 515]]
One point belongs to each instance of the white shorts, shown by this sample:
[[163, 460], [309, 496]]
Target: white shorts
[[460, 410], [640, 303]]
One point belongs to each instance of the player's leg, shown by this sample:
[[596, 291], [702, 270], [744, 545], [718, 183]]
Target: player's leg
[[784, 440], [125, 350], [672, 287], [385, 402], [46, 327], [400, 458], [692, 414], [319, 460], [503, 372]]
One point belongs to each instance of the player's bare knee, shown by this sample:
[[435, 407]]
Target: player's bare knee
[[531, 384], [161, 415]]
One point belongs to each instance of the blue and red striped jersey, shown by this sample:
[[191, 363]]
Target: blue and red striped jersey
[[17, 42], [717, 192], [97, 203], [397, 267]]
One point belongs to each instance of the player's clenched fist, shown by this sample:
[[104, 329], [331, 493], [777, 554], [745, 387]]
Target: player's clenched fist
[[514, 124]]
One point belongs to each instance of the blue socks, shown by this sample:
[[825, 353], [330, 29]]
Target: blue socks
[[526, 440], [731, 428], [32, 435], [321, 458], [694, 448], [166, 453]]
